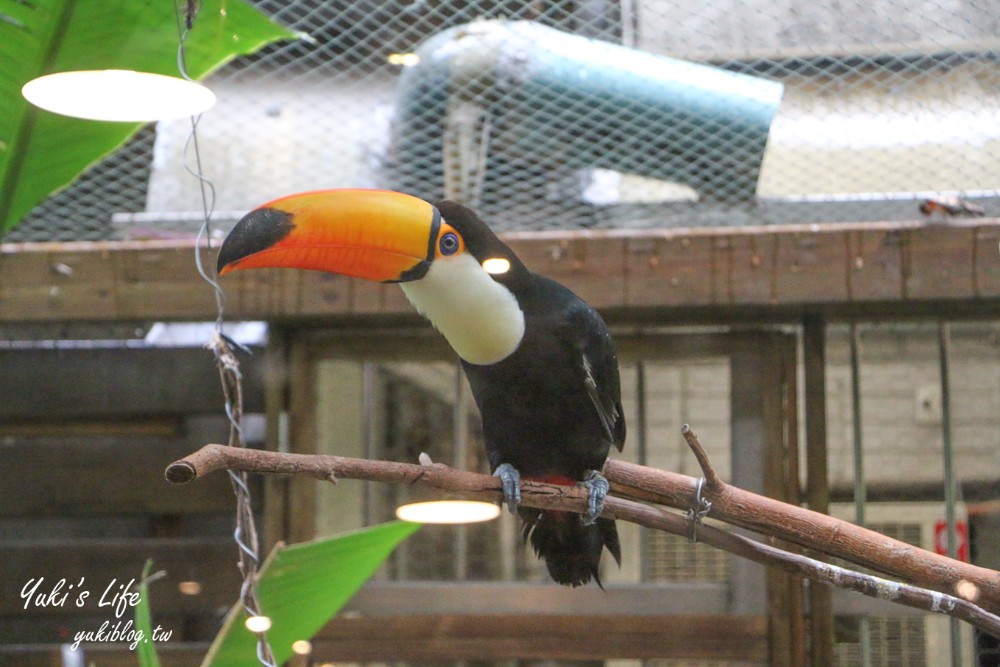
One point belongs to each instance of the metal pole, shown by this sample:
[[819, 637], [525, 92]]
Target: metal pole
[[640, 409], [944, 345], [640, 433], [369, 379], [860, 491], [817, 477], [461, 462]]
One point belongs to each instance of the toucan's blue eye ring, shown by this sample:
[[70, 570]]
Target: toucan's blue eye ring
[[448, 244]]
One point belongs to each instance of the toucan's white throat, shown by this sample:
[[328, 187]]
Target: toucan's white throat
[[479, 316]]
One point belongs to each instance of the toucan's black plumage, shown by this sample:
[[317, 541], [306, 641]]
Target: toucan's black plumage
[[540, 362], [552, 408]]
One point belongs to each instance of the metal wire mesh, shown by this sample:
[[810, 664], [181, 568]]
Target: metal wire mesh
[[674, 558], [84, 211], [894, 641], [882, 103]]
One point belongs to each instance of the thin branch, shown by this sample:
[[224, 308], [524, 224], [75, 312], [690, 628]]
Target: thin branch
[[821, 533], [715, 482], [866, 584], [549, 496]]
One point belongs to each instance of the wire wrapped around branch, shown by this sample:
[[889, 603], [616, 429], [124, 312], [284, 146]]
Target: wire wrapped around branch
[[626, 479]]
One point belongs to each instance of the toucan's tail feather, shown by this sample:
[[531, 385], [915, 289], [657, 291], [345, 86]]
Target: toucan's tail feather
[[571, 550]]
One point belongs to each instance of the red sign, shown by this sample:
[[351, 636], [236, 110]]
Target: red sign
[[961, 538]]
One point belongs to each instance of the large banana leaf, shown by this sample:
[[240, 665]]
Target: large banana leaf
[[302, 586], [41, 152]]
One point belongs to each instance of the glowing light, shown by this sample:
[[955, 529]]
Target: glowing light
[[496, 265], [302, 647], [448, 511], [404, 59], [118, 95], [189, 587], [258, 624]]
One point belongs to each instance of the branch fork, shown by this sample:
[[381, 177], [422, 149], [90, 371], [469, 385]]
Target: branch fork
[[638, 494]]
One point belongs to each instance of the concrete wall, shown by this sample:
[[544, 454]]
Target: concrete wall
[[737, 28], [264, 141], [900, 409]]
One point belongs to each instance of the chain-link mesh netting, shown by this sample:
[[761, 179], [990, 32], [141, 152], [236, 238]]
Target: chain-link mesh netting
[[585, 113]]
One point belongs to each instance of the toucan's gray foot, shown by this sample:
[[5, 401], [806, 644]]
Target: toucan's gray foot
[[597, 490], [511, 479]]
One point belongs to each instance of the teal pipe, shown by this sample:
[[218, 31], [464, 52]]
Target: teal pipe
[[557, 100]]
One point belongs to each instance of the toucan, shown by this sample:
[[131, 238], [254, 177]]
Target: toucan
[[539, 360]]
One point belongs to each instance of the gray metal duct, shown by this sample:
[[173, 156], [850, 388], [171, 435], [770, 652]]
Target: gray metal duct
[[547, 100]]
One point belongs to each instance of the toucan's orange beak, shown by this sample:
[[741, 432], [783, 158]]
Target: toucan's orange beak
[[372, 234]]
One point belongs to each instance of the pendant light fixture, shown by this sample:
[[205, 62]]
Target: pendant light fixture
[[116, 95]]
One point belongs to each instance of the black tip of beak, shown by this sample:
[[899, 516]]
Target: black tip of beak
[[256, 231]]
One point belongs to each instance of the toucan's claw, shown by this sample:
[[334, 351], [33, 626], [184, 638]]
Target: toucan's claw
[[597, 490], [511, 479]]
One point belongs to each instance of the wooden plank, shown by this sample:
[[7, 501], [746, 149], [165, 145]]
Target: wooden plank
[[152, 427], [171, 654], [60, 281], [394, 301], [810, 268], [761, 418], [874, 265], [548, 637], [675, 271], [115, 475], [986, 270], [939, 264], [821, 627], [786, 608], [754, 258], [299, 510], [367, 297], [589, 262], [101, 563], [38, 630], [89, 383], [778, 265], [267, 292], [404, 598], [273, 525], [788, 351]]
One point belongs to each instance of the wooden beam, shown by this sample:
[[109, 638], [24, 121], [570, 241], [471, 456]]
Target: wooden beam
[[797, 266], [821, 628], [171, 654], [759, 457], [115, 383], [103, 562], [481, 598], [83, 476], [134, 427], [538, 636]]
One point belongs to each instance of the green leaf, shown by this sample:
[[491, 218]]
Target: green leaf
[[302, 586], [42, 152], [146, 649]]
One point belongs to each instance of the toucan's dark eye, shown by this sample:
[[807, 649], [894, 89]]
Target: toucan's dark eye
[[448, 244]]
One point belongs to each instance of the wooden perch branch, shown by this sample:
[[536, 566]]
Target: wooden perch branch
[[629, 482], [821, 533]]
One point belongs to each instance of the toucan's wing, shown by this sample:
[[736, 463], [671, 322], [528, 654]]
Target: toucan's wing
[[609, 413], [599, 366]]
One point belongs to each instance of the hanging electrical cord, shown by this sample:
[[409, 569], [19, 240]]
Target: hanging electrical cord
[[205, 185], [224, 349]]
